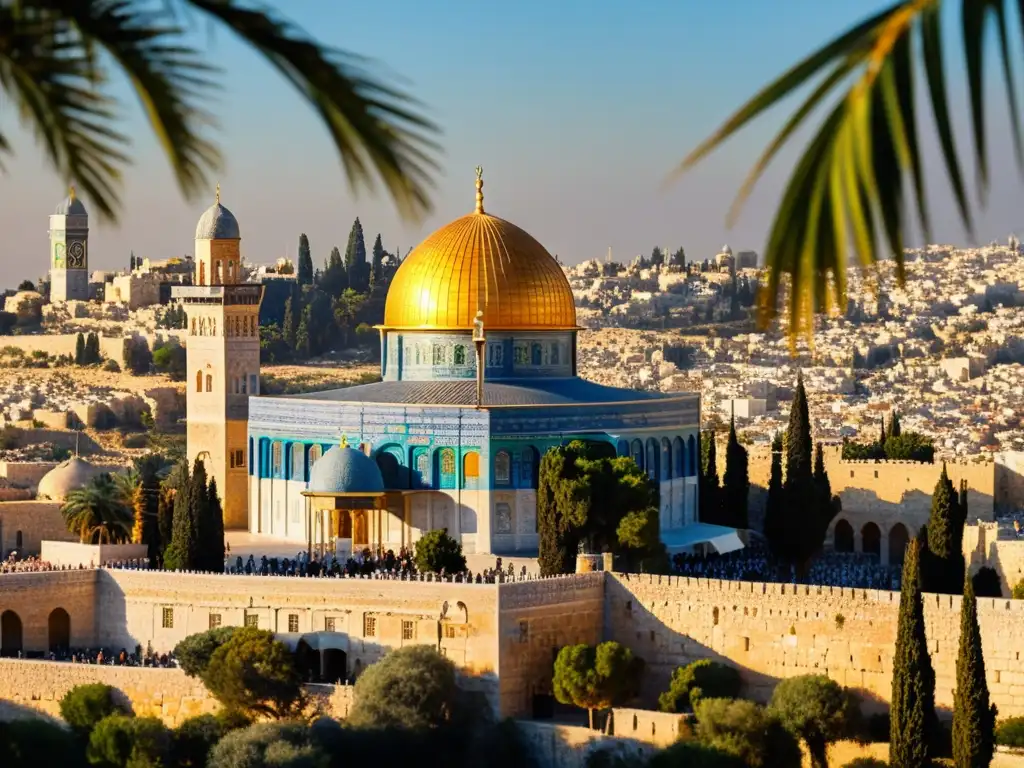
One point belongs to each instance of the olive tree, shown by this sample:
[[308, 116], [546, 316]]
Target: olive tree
[[596, 677]]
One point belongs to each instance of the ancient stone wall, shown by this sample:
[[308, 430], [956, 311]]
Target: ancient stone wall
[[982, 547], [535, 619], [772, 631], [28, 687], [24, 525], [38, 610]]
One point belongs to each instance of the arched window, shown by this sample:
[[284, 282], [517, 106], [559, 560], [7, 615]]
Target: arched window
[[460, 354], [528, 467], [315, 452], [622, 448], [653, 462], [199, 381], [438, 354], [536, 354], [448, 462], [276, 459], [420, 461], [554, 354], [470, 469], [666, 459], [209, 383], [678, 458], [636, 450], [218, 271], [843, 537], [691, 456], [898, 540], [299, 462], [871, 539], [502, 468], [444, 468]]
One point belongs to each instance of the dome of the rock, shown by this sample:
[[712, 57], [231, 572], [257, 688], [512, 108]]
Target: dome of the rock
[[344, 470], [480, 262]]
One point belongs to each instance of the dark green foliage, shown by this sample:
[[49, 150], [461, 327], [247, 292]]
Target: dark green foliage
[[913, 721], [355, 259], [334, 278], [92, 354], [986, 583], [377, 264], [304, 275], [974, 717], [436, 551], [1010, 732], [136, 355], [80, 349], [902, 446], [774, 524], [678, 258], [802, 531], [165, 521], [37, 743], [943, 570], [827, 505], [699, 679], [195, 651], [121, 741], [268, 745], [197, 534], [85, 705], [895, 430], [173, 316], [254, 674], [709, 491], [587, 496], [816, 709], [866, 762], [412, 688], [596, 677], [170, 359], [657, 257], [736, 482], [193, 739], [147, 503], [213, 531], [692, 755], [289, 323], [747, 731], [26, 285], [1018, 590], [884, 434]]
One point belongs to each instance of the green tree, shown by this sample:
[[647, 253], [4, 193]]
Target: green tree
[[708, 498], [802, 533], [699, 680], [121, 741], [815, 708], [774, 525], [411, 688], [346, 309], [268, 745], [913, 723], [304, 275], [165, 519], [35, 743], [686, 754], [657, 257], [895, 430], [944, 565], [170, 359], [85, 705], [212, 530], [193, 739], [80, 349], [377, 264], [193, 654], [678, 258], [436, 551], [355, 259], [183, 552], [747, 731], [288, 323], [736, 482], [52, 51], [596, 677], [302, 345], [99, 513], [254, 674], [827, 505], [974, 717], [145, 501], [92, 349], [334, 278]]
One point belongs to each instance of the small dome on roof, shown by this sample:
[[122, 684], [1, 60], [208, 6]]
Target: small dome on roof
[[71, 206], [71, 475], [345, 470], [217, 223]]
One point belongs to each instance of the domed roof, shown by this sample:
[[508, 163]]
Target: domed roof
[[71, 206], [217, 223], [71, 475], [480, 262], [345, 470]]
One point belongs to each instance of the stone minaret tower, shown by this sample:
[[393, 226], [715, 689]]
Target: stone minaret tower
[[69, 251], [223, 353]]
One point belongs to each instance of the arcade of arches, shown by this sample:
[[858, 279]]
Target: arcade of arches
[[12, 639], [888, 545]]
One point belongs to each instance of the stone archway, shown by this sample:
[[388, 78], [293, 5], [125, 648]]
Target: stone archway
[[59, 630], [871, 540], [334, 665], [843, 537], [10, 634], [899, 537]]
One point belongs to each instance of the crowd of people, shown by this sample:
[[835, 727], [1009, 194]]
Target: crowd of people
[[30, 564], [755, 563], [122, 658]]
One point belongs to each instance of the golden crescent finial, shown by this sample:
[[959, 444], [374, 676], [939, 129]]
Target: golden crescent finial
[[71, 193], [479, 189], [218, 193], [344, 441]]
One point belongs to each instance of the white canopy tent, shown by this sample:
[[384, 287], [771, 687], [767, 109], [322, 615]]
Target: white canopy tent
[[719, 537]]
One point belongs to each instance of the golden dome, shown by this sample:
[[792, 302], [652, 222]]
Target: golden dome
[[480, 262]]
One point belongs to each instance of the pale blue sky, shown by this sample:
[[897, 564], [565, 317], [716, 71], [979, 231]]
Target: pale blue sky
[[576, 109]]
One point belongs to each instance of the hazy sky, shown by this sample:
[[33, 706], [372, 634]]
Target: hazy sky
[[576, 110]]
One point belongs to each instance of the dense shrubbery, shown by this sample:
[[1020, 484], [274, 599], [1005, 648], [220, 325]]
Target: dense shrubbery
[[436, 551], [700, 679], [1010, 732], [892, 445], [85, 705]]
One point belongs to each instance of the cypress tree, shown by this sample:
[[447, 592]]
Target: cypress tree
[[305, 266], [912, 704], [355, 259], [214, 535], [288, 323], [182, 546], [198, 512], [165, 523], [894, 425], [944, 566], [555, 555], [974, 717], [80, 350], [883, 437], [736, 483], [708, 487], [800, 495], [92, 349], [823, 490], [774, 528], [377, 265]]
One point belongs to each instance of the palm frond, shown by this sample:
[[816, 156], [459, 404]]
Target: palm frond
[[375, 127], [849, 189]]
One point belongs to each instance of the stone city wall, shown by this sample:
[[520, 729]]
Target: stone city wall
[[28, 687], [33, 606], [568, 746], [982, 547], [535, 619], [772, 631], [24, 525]]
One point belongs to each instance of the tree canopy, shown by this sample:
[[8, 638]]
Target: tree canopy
[[596, 677], [254, 674]]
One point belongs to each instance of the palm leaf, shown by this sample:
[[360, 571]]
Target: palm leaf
[[848, 192]]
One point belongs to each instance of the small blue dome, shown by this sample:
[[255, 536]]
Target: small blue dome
[[345, 470], [71, 206], [217, 223]]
